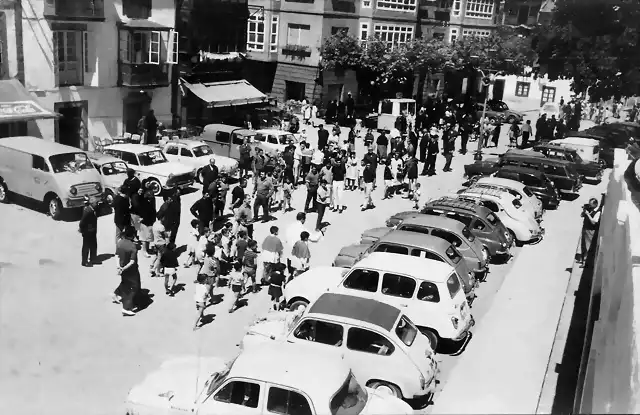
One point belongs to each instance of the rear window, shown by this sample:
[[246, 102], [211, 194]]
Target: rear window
[[453, 284], [492, 218], [596, 149], [467, 234], [453, 254], [406, 331], [527, 191]]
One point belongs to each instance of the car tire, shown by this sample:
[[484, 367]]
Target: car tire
[[385, 387], [108, 197], [199, 177], [155, 186], [431, 335], [4, 193], [54, 207], [297, 303]]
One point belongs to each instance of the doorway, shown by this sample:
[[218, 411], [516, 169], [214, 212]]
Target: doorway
[[294, 90], [498, 89], [134, 107], [335, 91], [523, 15], [71, 127]]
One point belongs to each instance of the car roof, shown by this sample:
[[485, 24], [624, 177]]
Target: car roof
[[133, 148], [187, 142], [290, 364], [555, 146], [415, 239], [273, 132], [408, 265], [523, 153], [520, 169], [224, 128], [577, 139], [479, 191], [37, 146], [453, 202], [362, 309], [439, 222], [499, 181], [537, 157], [101, 158]]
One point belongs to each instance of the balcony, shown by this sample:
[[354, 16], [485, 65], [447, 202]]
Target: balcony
[[296, 51], [74, 10], [143, 75]]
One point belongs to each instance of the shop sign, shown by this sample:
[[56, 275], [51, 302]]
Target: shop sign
[[14, 109]]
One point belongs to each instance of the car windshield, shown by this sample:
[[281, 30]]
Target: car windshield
[[260, 137], [453, 255], [492, 218], [467, 234], [118, 167], [218, 378], [527, 191], [70, 162], [152, 157], [575, 157], [203, 150], [350, 399], [406, 331]]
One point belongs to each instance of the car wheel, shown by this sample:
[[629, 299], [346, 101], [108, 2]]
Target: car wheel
[[155, 186], [4, 193], [386, 388], [108, 197], [298, 303], [431, 335], [199, 176], [513, 238], [54, 207]]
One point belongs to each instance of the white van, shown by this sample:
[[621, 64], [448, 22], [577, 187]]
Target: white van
[[587, 148], [390, 109], [60, 176]]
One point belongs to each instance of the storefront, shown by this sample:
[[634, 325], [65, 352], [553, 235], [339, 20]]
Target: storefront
[[17, 108]]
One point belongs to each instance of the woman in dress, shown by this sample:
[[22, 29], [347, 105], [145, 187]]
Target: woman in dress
[[352, 172]]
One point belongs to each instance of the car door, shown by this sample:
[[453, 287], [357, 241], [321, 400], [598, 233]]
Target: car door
[[284, 401], [186, 156], [361, 282], [558, 175], [371, 355], [172, 152], [41, 179], [235, 397], [222, 143], [398, 290]]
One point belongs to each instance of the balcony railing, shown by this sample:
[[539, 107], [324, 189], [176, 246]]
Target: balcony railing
[[297, 51], [143, 75], [80, 10]]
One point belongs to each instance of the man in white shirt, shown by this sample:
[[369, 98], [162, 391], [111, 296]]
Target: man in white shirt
[[292, 235]]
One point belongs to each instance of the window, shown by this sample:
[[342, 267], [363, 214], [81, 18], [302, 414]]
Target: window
[[492, 219], [140, 47], [478, 225], [185, 152], [273, 43], [320, 332], [453, 254], [447, 236], [287, 402], [366, 4], [336, 29], [363, 280], [480, 8], [272, 139], [453, 284], [223, 137], [476, 33], [414, 228], [438, 36], [70, 162], [398, 285], [387, 107], [467, 234], [406, 331], [85, 51], [428, 291], [364, 31], [172, 47], [453, 35], [136, 9], [393, 35], [397, 5], [68, 50], [151, 158], [255, 32], [200, 151], [297, 34], [129, 158], [392, 249], [421, 253], [154, 48], [172, 150], [117, 167], [40, 164], [367, 341], [239, 393], [522, 89], [492, 206], [456, 7]]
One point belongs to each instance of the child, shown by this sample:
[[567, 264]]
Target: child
[[250, 263], [276, 282], [300, 255], [240, 246], [236, 283], [169, 264], [201, 298], [388, 179], [202, 245], [361, 175], [193, 244], [352, 172], [276, 179], [416, 196], [210, 268], [287, 189]]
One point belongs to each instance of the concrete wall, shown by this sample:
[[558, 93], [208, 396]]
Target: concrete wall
[[563, 88], [612, 382]]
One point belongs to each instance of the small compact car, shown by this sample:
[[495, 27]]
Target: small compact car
[[113, 172], [510, 116], [274, 141], [197, 154]]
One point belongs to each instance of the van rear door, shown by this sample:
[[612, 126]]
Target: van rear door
[[15, 169]]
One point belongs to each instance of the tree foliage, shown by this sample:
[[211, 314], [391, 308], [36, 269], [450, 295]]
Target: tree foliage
[[594, 42]]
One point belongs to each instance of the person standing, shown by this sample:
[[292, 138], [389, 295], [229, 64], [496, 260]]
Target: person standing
[[465, 130], [259, 163], [514, 133], [326, 174], [300, 255], [292, 235], [129, 287], [147, 210], [88, 228], [151, 125], [323, 137], [496, 133], [132, 182], [272, 249], [338, 172], [350, 105], [238, 195], [172, 215], [433, 149], [526, 134], [382, 142], [203, 210], [412, 174], [262, 193], [323, 199], [160, 241], [245, 158], [209, 174], [448, 144], [121, 211], [221, 197], [424, 143], [371, 158], [136, 202], [244, 218], [368, 177], [312, 180]]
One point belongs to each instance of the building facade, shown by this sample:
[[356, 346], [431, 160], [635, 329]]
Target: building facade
[[100, 64]]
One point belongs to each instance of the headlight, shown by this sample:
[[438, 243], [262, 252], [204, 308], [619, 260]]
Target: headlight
[[170, 176], [73, 190], [98, 187], [507, 235], [485, 255], [455, 321], [504, 245]]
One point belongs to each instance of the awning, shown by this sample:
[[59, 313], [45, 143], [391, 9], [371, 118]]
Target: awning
[[142, 24], [228, 93], [17, 104]]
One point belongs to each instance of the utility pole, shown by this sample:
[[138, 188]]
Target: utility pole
[[175, 70]]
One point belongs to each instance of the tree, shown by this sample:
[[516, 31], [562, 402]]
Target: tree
[[594, 42]]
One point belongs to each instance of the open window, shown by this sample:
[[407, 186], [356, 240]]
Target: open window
[[320, 332], [172, 47], [239, 393]]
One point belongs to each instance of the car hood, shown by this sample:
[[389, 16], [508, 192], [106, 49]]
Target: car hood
[[165, 169], [224, 163], [173, 385], [379, 403], [351, 253], [371, 235], [312, 283]]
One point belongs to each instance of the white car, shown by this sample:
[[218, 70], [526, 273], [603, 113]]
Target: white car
[[150, 164], [274, 141], [383, 347], [521, 224], [274, 379], [113, 172], [196, 154], [515, 188], [429, 291], [550, 108]]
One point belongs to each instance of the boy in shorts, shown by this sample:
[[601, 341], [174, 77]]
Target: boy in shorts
[[169, 265], [201, 296], [250, 263], [236, 283]]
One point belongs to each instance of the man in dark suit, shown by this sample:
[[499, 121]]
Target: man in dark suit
[[209, 174], [323, 137], [88, 228]]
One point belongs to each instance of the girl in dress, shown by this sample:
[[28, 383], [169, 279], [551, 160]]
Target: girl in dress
[[276, 282], [352, 172]]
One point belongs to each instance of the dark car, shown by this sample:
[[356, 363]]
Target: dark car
[[509, 115], [535, 180], [590, 170], [631, 129]]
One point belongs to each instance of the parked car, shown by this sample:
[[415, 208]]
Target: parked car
[[609, 138], [57, 175], [430, 291], [384, 348], [113, 172], [590, 170], [151, 164], [490, 114], [196, 154], [274, 141], [225, 140], [550, 109], [271, 379], [631, 128], [535, 180], [519, 223], [410, 243], [515, 188], [587, 148], [509, 115]]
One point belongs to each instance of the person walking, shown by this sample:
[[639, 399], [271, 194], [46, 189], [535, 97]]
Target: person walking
[[326, 174], [448, 144], [323, 137], [160, 241], [262, 193], [368, 177], [209, 174], [121, 211], [272, 249], [411, 168], [172, 215], [151, 125], [371, 158], [244, 218], [129, 287], [88, 228], [221, 198], [313, 180], [382, 142], [323, 200], [526, 134], [147, 211], [496, 133], [591, 218], [203, 210]]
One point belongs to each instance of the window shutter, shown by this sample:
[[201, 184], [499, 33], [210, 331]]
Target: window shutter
[[86, 54], [56, 60], [124, 46], [154, 48], [172, 47]]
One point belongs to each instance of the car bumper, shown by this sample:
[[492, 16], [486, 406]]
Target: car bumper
[[465, 332], [73, 202]]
